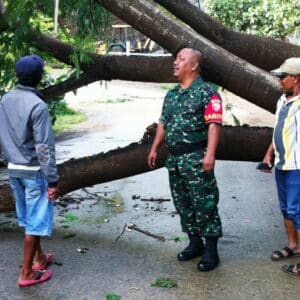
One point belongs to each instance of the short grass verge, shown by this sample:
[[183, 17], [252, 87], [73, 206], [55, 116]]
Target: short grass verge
[[67, 120]]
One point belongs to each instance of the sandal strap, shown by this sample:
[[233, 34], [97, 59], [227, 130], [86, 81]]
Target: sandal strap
[[278, 253], [289, 251]]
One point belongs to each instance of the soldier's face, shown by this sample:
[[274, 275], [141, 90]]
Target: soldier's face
[[183, 64]]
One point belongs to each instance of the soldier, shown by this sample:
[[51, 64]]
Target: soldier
[[190, 125]]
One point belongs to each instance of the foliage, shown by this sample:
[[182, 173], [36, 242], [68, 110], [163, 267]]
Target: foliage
[[70, 218], [274, 18], [164, 283], [87, 19], [112, 296], [76, 26]]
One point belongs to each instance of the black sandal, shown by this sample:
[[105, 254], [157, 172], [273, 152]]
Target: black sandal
[[289, 269], [281, 256]]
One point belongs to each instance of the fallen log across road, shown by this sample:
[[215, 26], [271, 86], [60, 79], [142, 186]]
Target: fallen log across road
[[237, 143]]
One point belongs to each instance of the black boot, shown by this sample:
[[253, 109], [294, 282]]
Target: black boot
[[210, 258], [194, 249]]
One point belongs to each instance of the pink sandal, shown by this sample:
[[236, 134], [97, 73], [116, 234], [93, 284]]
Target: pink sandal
[[48, 260], [41, 276]]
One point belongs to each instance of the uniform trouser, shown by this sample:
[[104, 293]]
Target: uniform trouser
[[195, 195]]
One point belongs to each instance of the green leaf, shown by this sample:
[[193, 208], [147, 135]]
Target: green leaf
[[112, 296], [165, 283]]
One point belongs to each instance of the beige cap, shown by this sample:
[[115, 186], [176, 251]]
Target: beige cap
[[290, 66]]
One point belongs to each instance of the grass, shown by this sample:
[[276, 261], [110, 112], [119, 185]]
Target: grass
[[64, 122], [63, 116]]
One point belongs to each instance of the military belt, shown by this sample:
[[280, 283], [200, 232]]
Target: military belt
[[185, 148]]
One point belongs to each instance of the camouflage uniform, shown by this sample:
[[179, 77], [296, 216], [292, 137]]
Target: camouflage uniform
[[195, 192]]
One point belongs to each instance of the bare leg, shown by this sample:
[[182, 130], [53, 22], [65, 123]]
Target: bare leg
[[291, 234], [295, 269], [30, 246], [39, 256]]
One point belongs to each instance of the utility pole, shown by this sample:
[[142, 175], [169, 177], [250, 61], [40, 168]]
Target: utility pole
[[56, 5]]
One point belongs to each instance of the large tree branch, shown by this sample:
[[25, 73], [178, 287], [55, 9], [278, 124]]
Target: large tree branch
[[118, 67], [237, 143], [266, 53], [220, 66], [135, 68]]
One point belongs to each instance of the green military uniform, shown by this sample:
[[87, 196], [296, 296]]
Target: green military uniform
[[195, 192]]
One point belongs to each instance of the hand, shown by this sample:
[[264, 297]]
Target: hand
[[53, 193], [152, 159], [208, 163], [265, 166]]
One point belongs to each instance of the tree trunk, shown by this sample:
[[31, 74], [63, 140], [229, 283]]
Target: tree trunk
[[219, 65], [243, 79], [266, 53], [135, 68], [237, 143]]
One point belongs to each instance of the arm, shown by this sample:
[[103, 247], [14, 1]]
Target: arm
[[45, 147], [159, 138], [268, 158], [214, 132]]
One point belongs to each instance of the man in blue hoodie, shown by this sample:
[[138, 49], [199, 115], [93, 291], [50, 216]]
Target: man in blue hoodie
[[27, 145]]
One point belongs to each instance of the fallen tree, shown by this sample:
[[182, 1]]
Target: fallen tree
[[221, 66], [266, 53], [237, 143], [255, 85]]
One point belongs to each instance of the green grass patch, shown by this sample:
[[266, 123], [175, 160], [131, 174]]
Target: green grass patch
[[64, 117], [64, 122], [164, 283]]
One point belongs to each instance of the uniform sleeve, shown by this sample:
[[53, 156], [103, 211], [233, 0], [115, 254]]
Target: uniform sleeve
[[163, 117], [44, 142], [213, 110]]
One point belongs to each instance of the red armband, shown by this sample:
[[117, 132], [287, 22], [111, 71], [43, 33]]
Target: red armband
[[213, 110]]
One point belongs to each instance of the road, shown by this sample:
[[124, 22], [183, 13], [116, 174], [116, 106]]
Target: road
[[126, 263]]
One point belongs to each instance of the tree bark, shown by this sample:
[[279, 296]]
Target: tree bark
[[244, 80], [220, 66], [237, 143], [263, 52], [102, 67], [135, 68], [145, 69]]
